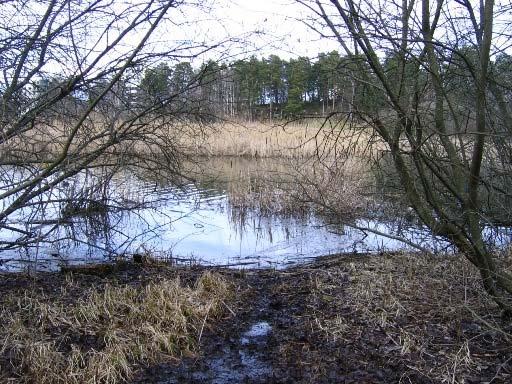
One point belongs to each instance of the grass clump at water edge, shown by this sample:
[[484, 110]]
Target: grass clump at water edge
[[426, 316], [102, 336]]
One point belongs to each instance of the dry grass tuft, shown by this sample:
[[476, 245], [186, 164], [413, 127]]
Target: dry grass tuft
[[427, 313], [104, 335]]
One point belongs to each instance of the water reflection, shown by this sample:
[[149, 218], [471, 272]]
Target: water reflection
[[203, 222]]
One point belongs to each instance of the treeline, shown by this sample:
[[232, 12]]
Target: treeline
[[266, 88], [269, 88], [251, 89]]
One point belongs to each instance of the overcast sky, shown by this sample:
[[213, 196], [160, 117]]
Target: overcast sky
[[261, 27], [281, 22], [236, 28]]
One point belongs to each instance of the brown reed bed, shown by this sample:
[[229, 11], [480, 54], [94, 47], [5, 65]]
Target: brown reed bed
[[293, 168], [303, 139], [292, 187], [309, 138]]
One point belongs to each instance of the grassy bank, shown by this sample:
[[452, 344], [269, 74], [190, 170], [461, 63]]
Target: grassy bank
[[410, 318], [92, 327], [394, 318]]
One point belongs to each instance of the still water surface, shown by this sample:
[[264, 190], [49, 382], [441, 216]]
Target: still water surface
[[198, 222]]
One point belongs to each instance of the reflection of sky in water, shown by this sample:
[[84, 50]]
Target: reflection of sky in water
[[199, 224]]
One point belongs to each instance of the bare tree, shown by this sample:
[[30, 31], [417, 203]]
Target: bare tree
[[68, 104], [443, 116]]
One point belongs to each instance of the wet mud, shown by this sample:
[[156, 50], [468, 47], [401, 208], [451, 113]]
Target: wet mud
[[279, 334], [235, 352], [359, 319]]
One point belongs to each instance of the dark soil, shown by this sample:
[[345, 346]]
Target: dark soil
[[360, 319], [300, 348]]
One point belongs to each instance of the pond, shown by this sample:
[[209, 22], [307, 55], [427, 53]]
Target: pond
[[203, 222]]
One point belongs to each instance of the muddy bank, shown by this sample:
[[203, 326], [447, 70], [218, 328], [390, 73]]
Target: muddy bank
[[386, 319], [358, 319], [101, 324]]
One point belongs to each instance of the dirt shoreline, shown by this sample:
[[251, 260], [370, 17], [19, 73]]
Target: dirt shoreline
[[358, 319]]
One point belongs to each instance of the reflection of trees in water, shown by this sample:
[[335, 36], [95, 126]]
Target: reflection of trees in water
[[85, 211], [243, 220], [72, 101], [97, 219]]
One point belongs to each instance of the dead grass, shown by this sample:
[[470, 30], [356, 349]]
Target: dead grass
[[105, 334], [299, 166], [311, 138], [427, 313], [331, 189], [306, 139]]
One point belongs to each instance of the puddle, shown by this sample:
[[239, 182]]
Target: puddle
[[231, 363], [250, 364], [246, 367], [257, 330]]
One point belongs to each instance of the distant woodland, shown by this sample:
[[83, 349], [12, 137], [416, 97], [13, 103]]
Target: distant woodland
[[267, 88]]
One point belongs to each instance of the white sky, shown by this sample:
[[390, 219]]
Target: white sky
[[261, 27], [287, 36], [237, 28]]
